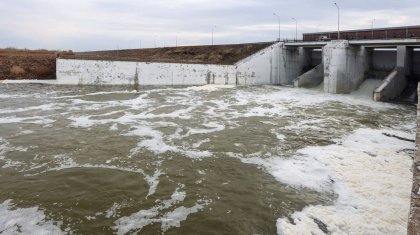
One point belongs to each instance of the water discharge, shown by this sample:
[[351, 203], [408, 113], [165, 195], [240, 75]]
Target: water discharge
[[194, 160]]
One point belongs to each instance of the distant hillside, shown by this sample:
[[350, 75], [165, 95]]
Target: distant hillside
[[217, 54], [27, 64]]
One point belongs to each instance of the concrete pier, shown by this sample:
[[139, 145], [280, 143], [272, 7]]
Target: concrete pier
[[344, 66]]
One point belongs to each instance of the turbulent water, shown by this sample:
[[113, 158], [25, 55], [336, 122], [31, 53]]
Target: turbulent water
[[201, 160]]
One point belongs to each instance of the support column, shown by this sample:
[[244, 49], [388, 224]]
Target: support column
[[344, 66]]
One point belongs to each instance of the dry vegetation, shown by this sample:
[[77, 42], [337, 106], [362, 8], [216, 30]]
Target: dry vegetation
[[27, 64], [218, 54], [41, 64]]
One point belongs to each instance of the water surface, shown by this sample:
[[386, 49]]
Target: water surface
[[197, 160]]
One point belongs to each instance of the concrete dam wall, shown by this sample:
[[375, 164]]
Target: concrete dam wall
[[257, 69]]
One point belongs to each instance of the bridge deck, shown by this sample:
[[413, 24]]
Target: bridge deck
[[366, 43]]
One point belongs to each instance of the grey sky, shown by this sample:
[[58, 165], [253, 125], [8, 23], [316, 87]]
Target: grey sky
[[112, 24]]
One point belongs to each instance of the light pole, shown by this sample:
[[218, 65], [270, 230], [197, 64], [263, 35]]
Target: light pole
[[278, 18], [338, 30], [212, 34], [373, 20], [295, 28]]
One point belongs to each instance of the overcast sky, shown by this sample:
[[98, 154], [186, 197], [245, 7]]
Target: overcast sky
[[111, 24]]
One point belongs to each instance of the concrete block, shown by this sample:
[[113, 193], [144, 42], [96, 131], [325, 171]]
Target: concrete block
[[312, 78]]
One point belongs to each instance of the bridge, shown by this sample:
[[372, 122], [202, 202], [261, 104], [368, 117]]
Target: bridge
[[342, 64]]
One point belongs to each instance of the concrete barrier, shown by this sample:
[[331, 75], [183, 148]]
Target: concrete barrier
[[390, 88], [396, 81], [312, 78]]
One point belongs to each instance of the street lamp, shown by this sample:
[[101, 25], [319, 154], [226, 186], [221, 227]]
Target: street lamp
[[295, 28], [212, 34], [278, 18], [373, 20], [338, 30]]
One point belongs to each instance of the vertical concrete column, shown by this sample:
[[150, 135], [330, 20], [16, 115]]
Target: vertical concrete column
[[344, 66], [404, 60], [276, 64], [293, 61]]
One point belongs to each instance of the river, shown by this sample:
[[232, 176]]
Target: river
[[202, 160]]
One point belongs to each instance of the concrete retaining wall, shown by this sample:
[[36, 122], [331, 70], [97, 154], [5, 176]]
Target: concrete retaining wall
[[312, 78], [260, 68], [390, 88], [95, 72]]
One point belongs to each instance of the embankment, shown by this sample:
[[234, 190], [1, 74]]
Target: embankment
[[27, 64], [207, 54]]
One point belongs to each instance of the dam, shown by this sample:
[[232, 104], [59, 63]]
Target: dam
[[341, 65]]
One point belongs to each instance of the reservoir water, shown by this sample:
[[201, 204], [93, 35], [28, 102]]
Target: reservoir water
[[202, 160]]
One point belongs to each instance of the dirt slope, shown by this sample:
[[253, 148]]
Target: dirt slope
[[27, 64], [218, 54]]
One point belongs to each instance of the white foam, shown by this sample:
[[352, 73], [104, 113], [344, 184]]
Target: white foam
[[113, 211], [33, 120], [25, 221], [142, 218], [264, 112], [114, 127], [5, 147], [213, 127], [278, 135], [82, 122], [175, 217], [43, 107], [111, 92], [153, 182], [369, 174], [155, 142], [210, 87], [199, 143], [157, 145], [307, 97]]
